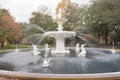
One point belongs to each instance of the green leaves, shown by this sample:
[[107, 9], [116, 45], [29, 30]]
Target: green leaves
[[43, 20], [104, 15]]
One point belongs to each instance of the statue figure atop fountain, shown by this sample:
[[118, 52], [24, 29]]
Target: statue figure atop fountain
[[59, 15], [60, 20]]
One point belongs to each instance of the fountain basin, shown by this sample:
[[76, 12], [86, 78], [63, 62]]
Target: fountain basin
[[95, 59], [9, 75], [60, 34], [60, 45]]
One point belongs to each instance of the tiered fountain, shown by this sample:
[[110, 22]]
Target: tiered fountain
[[59, 36]]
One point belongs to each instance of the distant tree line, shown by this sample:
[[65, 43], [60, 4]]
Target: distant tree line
[[100, 18]]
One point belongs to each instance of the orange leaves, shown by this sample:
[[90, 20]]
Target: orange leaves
[[13, 29], [63, 5], [10, 23]]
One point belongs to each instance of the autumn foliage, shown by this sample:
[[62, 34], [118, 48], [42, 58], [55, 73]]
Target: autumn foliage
[[64, 4], [10, 31]]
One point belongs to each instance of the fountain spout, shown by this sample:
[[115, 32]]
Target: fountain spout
[[83, 51], [16, 49], [113, 48], [46, 60], [35, 50], [77, 48], [47, 49]]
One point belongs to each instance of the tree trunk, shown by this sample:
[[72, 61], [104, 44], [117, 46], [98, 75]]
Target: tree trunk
[[99, 37], [2, 43], [106, 37]]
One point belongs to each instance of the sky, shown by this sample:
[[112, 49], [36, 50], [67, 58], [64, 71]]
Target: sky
[[21, 10]]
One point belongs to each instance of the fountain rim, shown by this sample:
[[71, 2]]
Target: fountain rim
[[40, 75], [59, 32]]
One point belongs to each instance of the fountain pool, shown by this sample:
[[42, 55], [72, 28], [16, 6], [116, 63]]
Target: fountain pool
[[98, 63]]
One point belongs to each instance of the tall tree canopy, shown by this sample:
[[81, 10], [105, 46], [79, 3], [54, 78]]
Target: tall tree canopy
[[103, 16], [9, 29], [72, 12], [64, 4], [43, 22], [43, 19]]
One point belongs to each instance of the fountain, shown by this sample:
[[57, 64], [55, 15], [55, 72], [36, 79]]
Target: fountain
[[59, 36], [16, 49], [47, 64]]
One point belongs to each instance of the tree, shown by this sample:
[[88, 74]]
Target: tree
[[64, 4], [103, 16], [75, 15], [43, 22], [9, 29], [73, 12], [3, 32], [2, 13], [14, 29], [43, 19]]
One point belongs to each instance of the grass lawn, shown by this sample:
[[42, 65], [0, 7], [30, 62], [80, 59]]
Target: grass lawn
[[12, 47]]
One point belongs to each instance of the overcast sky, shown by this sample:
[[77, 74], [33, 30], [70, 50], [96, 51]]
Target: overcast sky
[[22, 9]]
